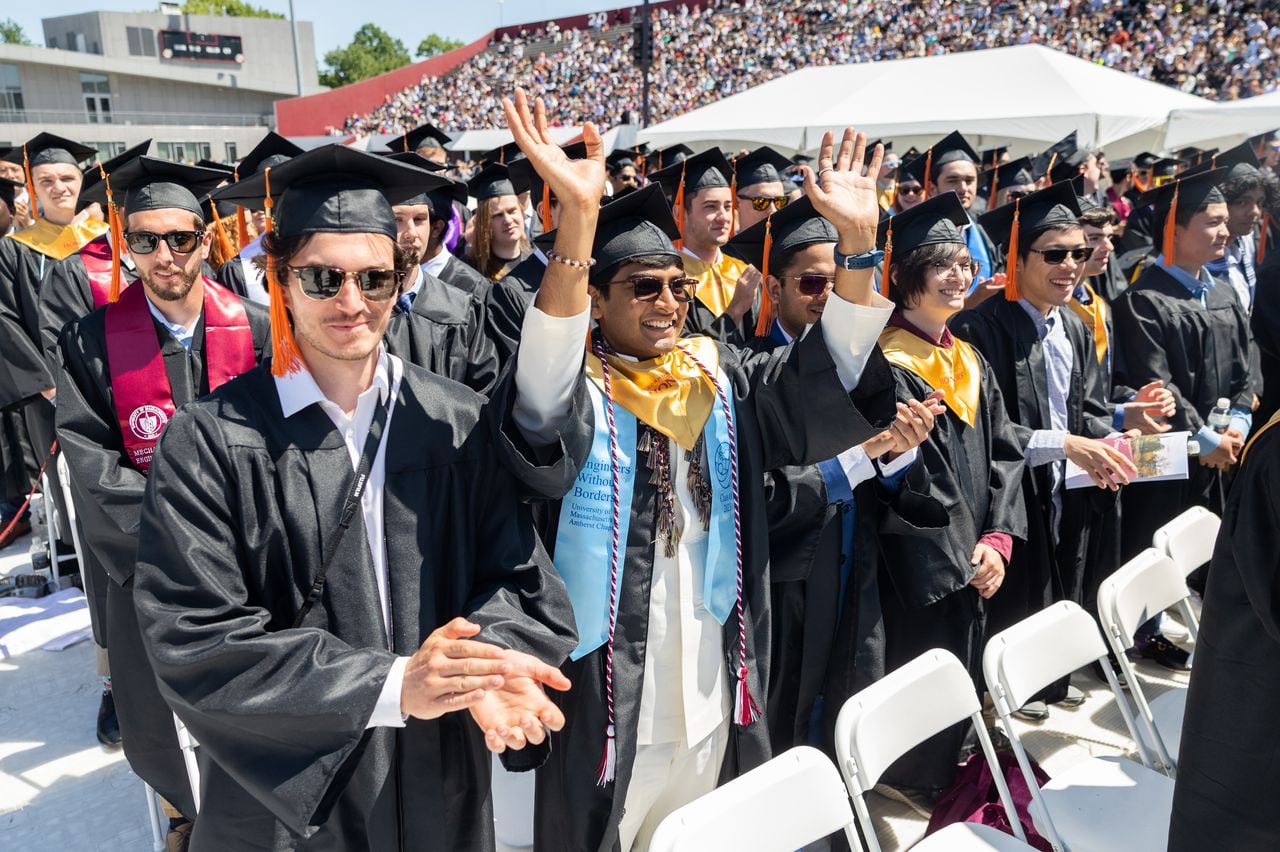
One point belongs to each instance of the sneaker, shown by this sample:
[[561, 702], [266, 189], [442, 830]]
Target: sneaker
[[108, 725], [19, 529], [1159, 650]]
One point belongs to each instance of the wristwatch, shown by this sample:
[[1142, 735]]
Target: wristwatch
[[866, 260]]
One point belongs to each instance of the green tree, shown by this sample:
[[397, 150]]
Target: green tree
[[434, 45], [11, 32], [372, 51], [231, 8]]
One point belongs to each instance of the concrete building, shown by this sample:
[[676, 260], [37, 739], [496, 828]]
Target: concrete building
[[201, 86]]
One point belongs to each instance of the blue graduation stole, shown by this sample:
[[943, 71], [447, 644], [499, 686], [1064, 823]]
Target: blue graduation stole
[[978, 251]]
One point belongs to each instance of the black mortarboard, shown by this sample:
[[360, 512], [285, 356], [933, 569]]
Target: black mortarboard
[[871, 151], [439, 200], [148, 183], [496, 180], [1239, 161], [949, 149], [665, 157], [503, 154], [763, 165], [1165, 167], [1019, 172], [1053, 205], [1195, 191], [89, 189], [214, 164], [634, 225], [270, 152], [1261, 138], [701, 171], [618, 159], [423, 136], [934, 221], [1189, 153], [990, 156], [335, 189], [412, 158], [45, 149], [790, 229], [1119, 168], [1145, 161]]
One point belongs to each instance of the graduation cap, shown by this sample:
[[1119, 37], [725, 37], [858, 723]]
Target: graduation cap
[[496, 180], [990, 156], [1189, 154], [617, 160], [46, 149], [331, 189], [421, 136], [413, 158], [871, 150], [763, 165], [91, 189], [503, 154], [439, 200], [934, 221], [1119, 169], [1019, 172], [214, 164], [1145, 161], [1239, 162], [1007, 225], [706, 170], [1192, 192], [669, 156], [271, 151], [951, 148], [634, 225], [1165, 167], [8, 191]]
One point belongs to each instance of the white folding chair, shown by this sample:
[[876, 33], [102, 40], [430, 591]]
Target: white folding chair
[[1146, 585], [904, 708], [794, 799], [1188, 540], [1100, 803]]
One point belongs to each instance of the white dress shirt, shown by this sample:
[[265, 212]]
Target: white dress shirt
[[434, 266], [255, 288]]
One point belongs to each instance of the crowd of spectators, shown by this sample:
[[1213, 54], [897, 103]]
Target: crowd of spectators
[[1223, 50]]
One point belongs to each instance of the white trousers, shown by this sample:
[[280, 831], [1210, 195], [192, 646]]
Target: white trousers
[[664, 778]]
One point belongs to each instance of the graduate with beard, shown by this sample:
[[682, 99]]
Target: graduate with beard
[[948, 537], [663, 540], [171, 337], [338, 582], [827, 632]]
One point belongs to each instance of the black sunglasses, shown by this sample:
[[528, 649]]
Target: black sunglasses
[[321, 282], [647, 288], [813, 284], [760, 203], [1057, 256], [145, 242], [910, 189]]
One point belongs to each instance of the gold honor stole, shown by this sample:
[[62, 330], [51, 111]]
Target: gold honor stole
[[60, 241], [955, 371], [716, 281], [669, 393], [1275, 418], [1094, 316]]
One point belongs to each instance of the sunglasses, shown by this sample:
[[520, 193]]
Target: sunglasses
[[145, 242], [1058, 256], [910, 189], [813, 284], [760, 203], [647, 288], [321, 282]]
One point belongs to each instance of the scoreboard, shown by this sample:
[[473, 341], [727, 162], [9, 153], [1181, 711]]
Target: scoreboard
[[179, 44]]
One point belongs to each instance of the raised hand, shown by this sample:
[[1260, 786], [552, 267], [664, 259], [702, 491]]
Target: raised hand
[[842, 193], [575, 183]]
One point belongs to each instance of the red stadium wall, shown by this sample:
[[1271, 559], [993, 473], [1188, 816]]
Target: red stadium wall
[[313, 115]]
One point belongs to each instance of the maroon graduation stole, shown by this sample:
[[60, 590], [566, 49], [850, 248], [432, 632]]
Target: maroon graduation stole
[[96, 256], [139, 383]]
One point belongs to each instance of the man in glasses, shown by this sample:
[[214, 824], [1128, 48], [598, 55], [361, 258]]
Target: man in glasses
[[623, 174], [703, 205], [663, 539], [1045, 362], [338, 581], [126, 367], [758, 176]]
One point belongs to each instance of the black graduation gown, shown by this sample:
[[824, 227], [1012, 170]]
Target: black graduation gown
[[1040, 572], [231, 275], [1265, 325], [1139, 230], [1111, 283], [508, 301], [108, 495], [1229, 757], [791, 409], [444, 333], [966, 483], [1201, 352], [701, 321], [65, 298], [240, 506], [997, 256], [458, 274], [24, 372]]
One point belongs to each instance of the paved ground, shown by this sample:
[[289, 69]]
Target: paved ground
[[61, 792]]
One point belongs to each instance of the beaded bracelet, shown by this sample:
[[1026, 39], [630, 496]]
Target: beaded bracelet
[[568, 261]]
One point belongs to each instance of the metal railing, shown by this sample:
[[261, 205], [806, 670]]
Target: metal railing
[[202, 119]]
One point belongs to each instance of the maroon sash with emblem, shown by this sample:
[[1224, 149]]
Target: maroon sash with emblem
[[139, 383], [96, 256]]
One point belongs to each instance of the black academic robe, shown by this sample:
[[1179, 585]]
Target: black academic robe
[[1264, 323], [508, 301], [231, 275], [701, 321], [444, 333], [791, 409], [1139, 230], [966, 483], [1042, 570], [997, 256], [241, 505], [1229, 756], [108, 495], [1111, 283], [24, 373], [1202, 353], [67, 297], [458, 274]]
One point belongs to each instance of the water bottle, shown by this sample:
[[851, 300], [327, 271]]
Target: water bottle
[[1220, 417]]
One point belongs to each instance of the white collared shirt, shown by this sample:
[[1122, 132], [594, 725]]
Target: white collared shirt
[[297, 391], [435, 265], [255, 288], [180, 333]]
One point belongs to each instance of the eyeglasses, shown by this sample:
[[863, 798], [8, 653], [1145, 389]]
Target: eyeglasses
[[145, 242], [1058, 256], [321, 282], [760, 203], [910, 189], [813, 284], [966, 268], [647, 288]]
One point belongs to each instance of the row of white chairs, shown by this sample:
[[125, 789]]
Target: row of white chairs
[[1099, 803]]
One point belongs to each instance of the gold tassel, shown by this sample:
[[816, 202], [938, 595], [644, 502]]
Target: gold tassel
[[680, 209], [766, 301], [1170, 223], [888, 258], [1011, 293]]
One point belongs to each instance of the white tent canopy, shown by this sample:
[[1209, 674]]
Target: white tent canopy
[[1223, 125], [1026, 95]]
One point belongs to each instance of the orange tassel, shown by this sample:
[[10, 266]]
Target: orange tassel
[[888, 259], [285, 357], [1262, 239], [765, 319], [31, 187], [267, 203], [1048, 173], [995, 187], [242, 218], [116, 230], [680, 209], [928, 168], [1170, 223], [1011, 293], [225, 250], [546, 207]]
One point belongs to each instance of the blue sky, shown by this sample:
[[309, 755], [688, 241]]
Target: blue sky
[[336, 20]]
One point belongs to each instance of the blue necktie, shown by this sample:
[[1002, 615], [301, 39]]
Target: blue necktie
[[405, 303]]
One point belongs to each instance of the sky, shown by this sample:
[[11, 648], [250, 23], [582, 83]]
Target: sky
[[336, 20]]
